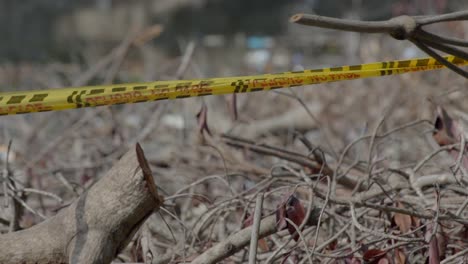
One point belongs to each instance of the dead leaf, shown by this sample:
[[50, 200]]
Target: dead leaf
[[263, 245], [293, 210], [416, 221], [403, 221], [374, 255], [202, 118], [400, 257], [332, 246], [448, 132], [437, 243], [248, 220], [446, 129]]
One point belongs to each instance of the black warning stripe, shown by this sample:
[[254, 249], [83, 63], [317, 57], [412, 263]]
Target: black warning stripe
[[141, 87], [23, 112], [388, 64], [78, 99], [256, 89], [162, 98], [336, 69], [355, 67], [316, 70], [404, 64], [297, 72], [204, 94], [119, 89], [386, 72], [38, 97], [457, 60], [16, 99], [422, 62], [141, 101], [182, 96], [277, 87], [70, 97], [96, 91], [240, 86]]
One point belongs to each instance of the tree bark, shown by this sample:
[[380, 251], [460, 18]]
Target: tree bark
[[95, 227]]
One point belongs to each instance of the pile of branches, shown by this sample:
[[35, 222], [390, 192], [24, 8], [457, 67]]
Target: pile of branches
[[261, 203], [305, 210]]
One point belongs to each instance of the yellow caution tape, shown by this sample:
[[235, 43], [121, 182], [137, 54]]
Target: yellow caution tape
[[22, 102]]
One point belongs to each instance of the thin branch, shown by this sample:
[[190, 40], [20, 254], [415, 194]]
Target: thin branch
[[428, 36], [439, 58], [255, 227], [235, 242], [455, 16], [344, 24]]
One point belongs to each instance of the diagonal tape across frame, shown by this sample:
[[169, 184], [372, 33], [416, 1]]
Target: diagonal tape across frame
[[22, 102]]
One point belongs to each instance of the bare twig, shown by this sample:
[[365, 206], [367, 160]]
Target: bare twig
[[255, 227], [235, 242]]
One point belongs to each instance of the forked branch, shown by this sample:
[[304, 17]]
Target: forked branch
[[402, 28]]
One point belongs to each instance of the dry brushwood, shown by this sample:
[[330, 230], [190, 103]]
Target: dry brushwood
[[402, 28], [95, 227]]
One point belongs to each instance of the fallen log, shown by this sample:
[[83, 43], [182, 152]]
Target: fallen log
[[95, 227]]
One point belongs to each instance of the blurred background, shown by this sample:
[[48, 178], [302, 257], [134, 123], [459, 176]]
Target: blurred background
[[69, 31]]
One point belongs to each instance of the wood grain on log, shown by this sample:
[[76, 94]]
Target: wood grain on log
[[95, 227]]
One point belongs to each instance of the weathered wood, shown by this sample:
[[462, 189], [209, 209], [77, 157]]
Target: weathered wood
[[95, 227]]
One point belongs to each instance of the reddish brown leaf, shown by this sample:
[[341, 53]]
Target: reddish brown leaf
[[248, 220], [416, 221], [293, 210], [332, 245], [437, 243], [403, 221], [448, 132], [281, 217], [433, 251], [400, 257], [446, 129], [202, 118], [296, 213], [263, 245], [374, 255]]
